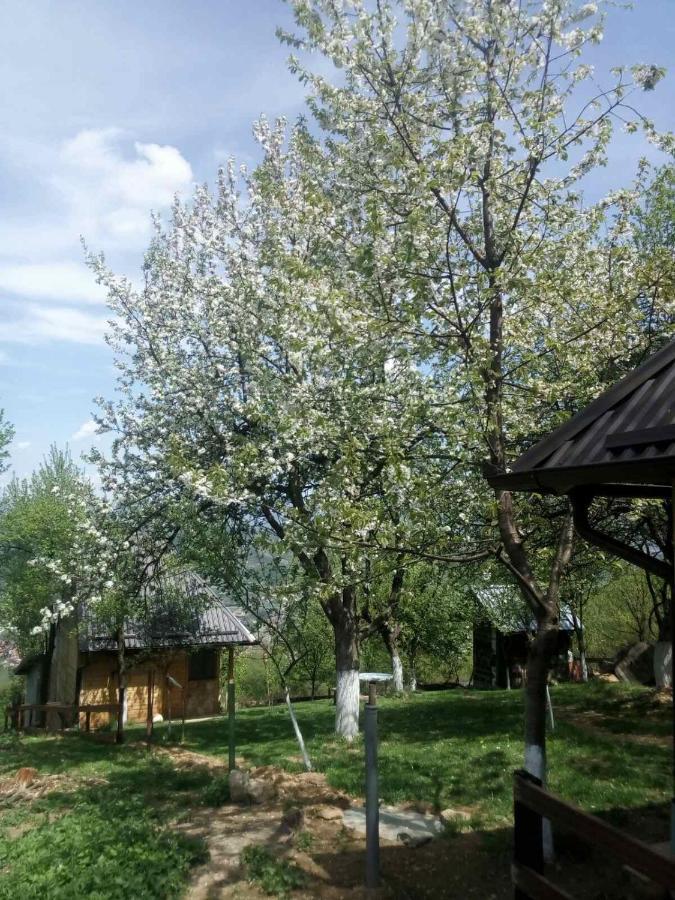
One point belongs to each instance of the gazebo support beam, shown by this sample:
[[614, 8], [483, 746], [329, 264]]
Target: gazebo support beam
[[581, 500], [671, 523]]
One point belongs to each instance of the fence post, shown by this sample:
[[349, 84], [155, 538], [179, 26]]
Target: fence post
[[372, 798], [149, 716], [528, 843]]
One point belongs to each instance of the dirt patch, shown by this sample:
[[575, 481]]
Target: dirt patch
[[17, 788], [303, 825], [183, 758]]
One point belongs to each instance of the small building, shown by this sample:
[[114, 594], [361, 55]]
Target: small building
[[501, 636], [172, 657]]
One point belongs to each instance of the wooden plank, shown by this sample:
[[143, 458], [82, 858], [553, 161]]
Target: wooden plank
[[535, 886], [628, 850]]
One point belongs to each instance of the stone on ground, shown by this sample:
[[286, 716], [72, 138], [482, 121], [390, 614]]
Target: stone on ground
[[238, 782], [394, 822], [261, 791], [454, 815]]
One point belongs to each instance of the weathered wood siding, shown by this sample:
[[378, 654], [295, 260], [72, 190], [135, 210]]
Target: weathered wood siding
[[99, 684]]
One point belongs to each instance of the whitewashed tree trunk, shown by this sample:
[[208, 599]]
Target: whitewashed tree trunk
[[535, 764], [397, 670], [584, 665], [412, 678], [347, 685], [347, 704], [663, 664]]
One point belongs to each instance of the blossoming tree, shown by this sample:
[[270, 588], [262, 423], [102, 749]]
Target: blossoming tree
[[258, 386], [470, 126]]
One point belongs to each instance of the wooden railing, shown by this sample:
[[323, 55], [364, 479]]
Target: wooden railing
[[18, 715], [532, 804]]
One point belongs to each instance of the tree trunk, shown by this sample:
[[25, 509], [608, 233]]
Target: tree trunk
[[390, 638], [539, 659], [397, 669], [412, 666], [347, 686], [663, 664], [581, 643]]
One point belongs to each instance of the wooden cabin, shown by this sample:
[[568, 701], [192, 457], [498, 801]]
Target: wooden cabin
[[172, 657], [502, 631]]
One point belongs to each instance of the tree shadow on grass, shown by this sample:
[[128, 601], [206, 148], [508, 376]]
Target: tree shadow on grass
[[476, 864]]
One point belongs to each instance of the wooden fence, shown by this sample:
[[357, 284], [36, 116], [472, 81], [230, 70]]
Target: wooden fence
[[532, 804], [19, 716]]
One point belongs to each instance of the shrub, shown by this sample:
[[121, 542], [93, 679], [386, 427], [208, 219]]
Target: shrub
[[275, 876], [109, 850]]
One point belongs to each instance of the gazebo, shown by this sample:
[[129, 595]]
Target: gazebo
[[621, 445]]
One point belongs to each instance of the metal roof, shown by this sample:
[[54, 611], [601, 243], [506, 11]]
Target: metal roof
[[202, 619], [625, 436]]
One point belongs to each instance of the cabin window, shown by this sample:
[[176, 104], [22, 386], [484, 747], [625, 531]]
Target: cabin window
[[203, 665]]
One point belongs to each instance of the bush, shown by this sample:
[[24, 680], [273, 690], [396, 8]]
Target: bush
[[216, 793], [275, 876], [108, 850]]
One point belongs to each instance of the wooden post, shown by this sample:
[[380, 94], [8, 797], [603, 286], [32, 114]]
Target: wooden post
[[528, 843], [87, 721], [119, 737], [151, 689], [230, 707]]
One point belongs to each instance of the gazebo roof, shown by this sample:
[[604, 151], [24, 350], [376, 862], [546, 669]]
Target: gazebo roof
[[624, 437]]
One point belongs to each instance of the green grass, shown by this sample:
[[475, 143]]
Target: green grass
[[455, 748], [460, 747], [92, 837]]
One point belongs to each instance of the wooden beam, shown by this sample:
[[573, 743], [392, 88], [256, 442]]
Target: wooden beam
[[533, 886]]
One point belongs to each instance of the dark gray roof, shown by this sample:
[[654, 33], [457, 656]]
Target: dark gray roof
[[199, 617], [27, 663], [626, 436]]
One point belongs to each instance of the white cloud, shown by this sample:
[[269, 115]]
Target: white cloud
[[86, 430], [37, 324], [64, 281], [101, 186], [111, 193], [22, 445]]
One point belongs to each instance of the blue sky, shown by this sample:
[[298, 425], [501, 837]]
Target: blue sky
[[109, 108]]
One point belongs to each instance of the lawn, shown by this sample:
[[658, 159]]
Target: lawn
[[104, 830], [460, 747]]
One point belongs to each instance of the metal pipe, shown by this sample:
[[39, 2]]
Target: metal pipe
[[372, 798], [230, 709]]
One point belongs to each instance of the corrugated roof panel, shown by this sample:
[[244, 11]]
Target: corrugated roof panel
[[214, 623], [577, 453]]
